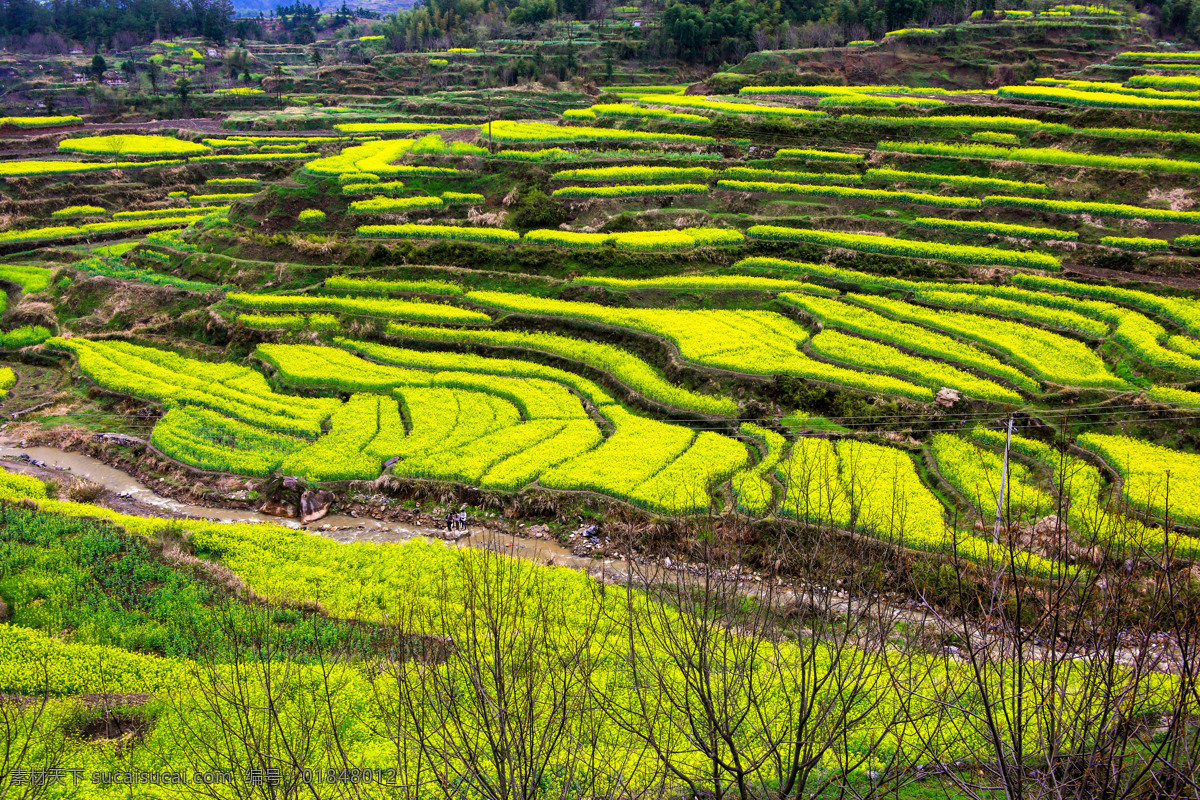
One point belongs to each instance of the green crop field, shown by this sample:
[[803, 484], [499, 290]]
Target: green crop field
[[564, 401]]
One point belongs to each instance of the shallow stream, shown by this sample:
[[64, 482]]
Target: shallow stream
[[339, 527]]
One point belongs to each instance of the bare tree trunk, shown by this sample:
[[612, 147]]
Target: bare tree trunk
[[33, 743], [503, 712]]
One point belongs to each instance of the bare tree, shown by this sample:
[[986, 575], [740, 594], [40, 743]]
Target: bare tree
[[503, 710], [1063, 689], [779, 691], [260, 712], [35, 750]]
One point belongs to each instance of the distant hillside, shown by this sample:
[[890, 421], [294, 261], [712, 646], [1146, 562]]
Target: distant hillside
[[251, 8]]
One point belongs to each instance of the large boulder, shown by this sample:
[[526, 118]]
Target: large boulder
[[314, 505]]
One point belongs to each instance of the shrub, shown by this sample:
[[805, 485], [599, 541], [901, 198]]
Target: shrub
[[79, 211], [567, 238], [429, 145], [652, 240], [36, 169], [151, 213], [24, 336], [239, 91], [708, 237], [957, 181], [634, 173], [1134, 243], [622, 110], [1184, 82], [69, 231], [535, 209], [996, 137], [538, 132], [30, 279], [394, 205], [995, 228], [1096, 99], [482, 235], [128, 144], [467, 149], [648, 240], [268, 322], [414, 310], [385, 187], [39, 122], [630, 191], [462, 197], [1042, 155]]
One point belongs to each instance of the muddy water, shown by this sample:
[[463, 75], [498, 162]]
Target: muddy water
[[339, 527], [125, 485]]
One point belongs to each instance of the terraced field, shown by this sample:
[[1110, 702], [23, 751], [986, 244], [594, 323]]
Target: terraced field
[[937, 335], [560, 391]]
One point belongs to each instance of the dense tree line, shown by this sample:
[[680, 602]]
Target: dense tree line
[[101, 20], [711, 31], [723, 30], [715, 31], [1181, 18]]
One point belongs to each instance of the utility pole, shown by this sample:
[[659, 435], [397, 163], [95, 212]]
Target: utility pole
[[491, 147], [1003, 482]]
